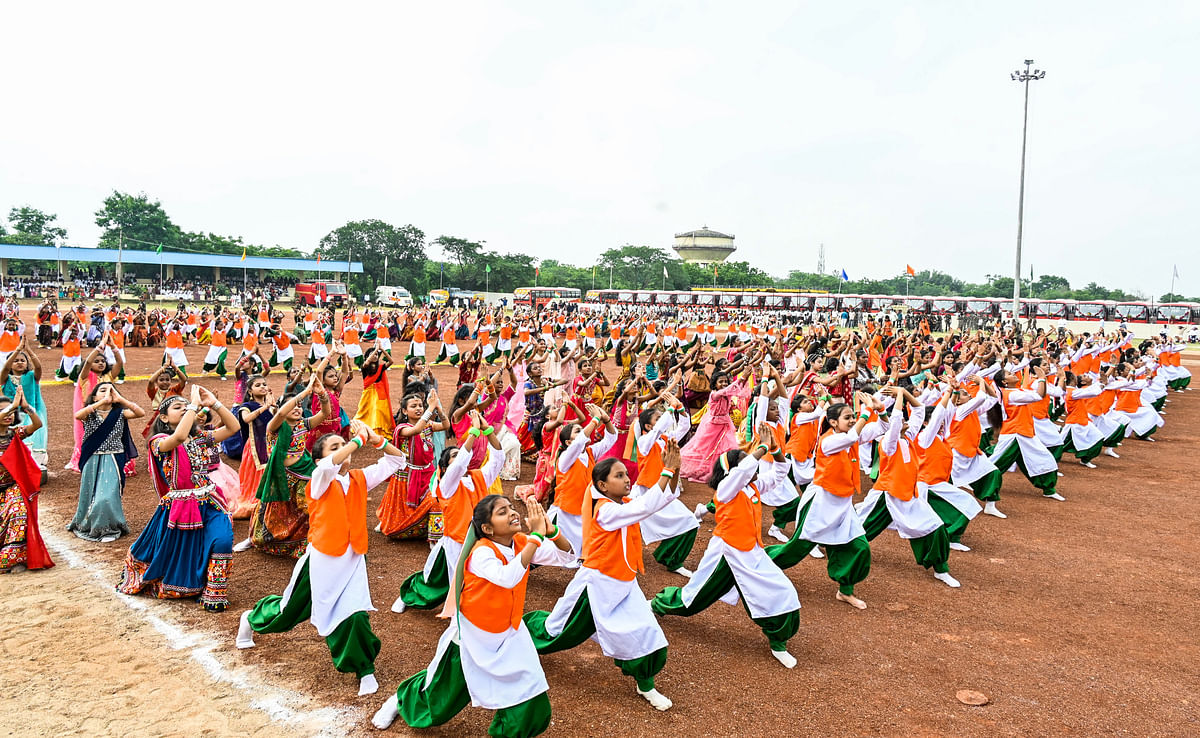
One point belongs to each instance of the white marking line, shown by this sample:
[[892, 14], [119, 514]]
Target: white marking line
[[279, 705]]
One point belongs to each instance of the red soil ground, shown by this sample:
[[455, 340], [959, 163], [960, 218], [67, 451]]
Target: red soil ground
[[1074, 617]]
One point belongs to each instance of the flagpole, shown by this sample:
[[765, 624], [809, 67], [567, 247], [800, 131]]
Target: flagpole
[[610, 272], [1174, 274]]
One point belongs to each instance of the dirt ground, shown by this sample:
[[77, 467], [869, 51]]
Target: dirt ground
[[1074, 617]]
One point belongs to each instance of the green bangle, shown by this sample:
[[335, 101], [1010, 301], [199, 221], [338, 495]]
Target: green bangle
[[356, 440], [764, 447], [555, 533], [538, 536], [473, 433], [486, 431]]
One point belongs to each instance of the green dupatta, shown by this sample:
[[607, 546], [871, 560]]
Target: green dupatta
[[274, 484]]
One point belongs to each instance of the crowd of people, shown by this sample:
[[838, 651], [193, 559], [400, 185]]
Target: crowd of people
[[785, 419]]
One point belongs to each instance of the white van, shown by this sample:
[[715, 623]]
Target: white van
[[392, 296]]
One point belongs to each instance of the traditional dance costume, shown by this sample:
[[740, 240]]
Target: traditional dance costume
[[604, 602], [107, 446], [280, 521], [714, 435], [573, 477], [486, 656], [329, 584], [735, 563], [186, 548], [20, 538], [673, 524], [404, 511], [375, 405], [458, 491]]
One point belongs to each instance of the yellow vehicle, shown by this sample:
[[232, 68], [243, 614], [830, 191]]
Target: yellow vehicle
[[439, 297]]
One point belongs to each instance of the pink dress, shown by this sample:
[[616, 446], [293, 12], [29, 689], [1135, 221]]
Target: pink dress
[[624, 415], [715, 434]]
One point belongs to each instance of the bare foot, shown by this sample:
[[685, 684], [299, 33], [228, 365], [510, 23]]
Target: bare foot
[[852, 601]]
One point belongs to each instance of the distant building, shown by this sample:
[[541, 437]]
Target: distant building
[[704, 246]]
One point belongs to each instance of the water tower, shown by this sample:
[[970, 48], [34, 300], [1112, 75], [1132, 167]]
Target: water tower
[[704, 246]]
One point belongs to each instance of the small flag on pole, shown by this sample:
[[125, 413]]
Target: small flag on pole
[[159, 249], [243, 253], [488, 269], [665, 275], [911, 272], [318, 258], [1176, 274], [845, 278], [714, 271]]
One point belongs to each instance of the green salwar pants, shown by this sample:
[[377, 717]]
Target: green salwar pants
[[930, 551], [447, 695], [420, 593], [580, 627], [352, 644]]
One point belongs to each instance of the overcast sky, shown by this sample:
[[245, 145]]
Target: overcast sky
[[890, 132]]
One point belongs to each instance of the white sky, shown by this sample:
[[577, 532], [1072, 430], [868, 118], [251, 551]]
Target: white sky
[[890, 132]]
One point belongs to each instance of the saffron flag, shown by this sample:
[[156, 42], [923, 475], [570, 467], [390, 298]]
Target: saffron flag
[[911, 272]]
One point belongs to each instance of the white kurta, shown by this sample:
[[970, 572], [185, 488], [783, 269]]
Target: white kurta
[[625, 625], [1038, 459], [831, 519], [912, 518], [456, 474], [674, 519], [961, 501], [571, 524], [501, 669], [767, 590], [339, 583]]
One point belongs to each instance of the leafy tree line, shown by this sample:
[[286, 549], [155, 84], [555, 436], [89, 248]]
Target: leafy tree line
[[398, 255]]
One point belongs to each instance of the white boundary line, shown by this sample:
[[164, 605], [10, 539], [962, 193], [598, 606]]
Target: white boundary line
[[280, 705]]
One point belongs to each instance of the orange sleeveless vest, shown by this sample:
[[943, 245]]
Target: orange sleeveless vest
[[339, 518], [458, 508], [739, 521], [837, 473], [489, 606], [898, 477], [570, 488], [615, 553]]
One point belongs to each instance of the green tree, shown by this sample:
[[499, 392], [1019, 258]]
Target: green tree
[[32, 227], [1050, 282], [374, 243], [1173, 297], [137, 221], [635, 267], [465, 257]]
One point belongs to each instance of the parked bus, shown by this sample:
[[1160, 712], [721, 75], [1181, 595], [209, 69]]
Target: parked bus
[[1173, 313], [1091, 309], [1132, 312], [542, 296], [1051, 309]]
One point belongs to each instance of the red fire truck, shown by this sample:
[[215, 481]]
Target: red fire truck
[[322, 293]]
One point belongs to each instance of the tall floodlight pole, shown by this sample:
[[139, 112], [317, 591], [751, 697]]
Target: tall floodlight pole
[[1024, 77]]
